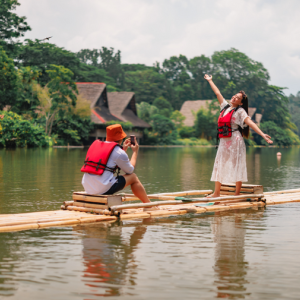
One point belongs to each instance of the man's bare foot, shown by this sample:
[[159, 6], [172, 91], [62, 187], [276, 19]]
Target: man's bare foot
[[213, 196]]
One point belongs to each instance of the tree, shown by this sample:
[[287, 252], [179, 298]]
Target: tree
[[105, 59], [147, 85], [164, 106], [294, 108], [62, 94], [177, 117], [11, 26], [27, 101], [15, 131], [205, 124], [163, 130], [8, 80], [145, 111]]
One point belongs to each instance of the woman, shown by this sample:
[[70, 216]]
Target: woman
[[230, 163]]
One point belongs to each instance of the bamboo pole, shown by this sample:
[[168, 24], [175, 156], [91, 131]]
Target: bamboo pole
[[90, 198], [283, 192], [141, 205], [228, 188], [89, 205], [67, 203], [89, 210], [158, 196]]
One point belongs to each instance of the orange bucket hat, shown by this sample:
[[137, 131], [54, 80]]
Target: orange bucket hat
[[115, 133]]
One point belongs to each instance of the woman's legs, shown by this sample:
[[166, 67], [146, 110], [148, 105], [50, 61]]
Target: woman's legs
[[238, 187], [217, 191]]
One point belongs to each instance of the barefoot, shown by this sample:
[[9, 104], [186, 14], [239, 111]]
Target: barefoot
[[214, 195]]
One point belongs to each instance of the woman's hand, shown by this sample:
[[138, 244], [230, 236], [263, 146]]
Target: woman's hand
[[267, 138], [207, 77], [126, 144]]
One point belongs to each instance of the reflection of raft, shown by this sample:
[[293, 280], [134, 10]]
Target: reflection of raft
[[116, 208]]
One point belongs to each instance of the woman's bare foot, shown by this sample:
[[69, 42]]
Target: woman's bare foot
[[214, 195]]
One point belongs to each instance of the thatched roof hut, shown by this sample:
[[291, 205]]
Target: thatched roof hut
[[190, 108], [122, 105], [95, 93]]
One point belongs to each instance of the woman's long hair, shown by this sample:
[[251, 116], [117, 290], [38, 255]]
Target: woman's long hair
[[245, 131]]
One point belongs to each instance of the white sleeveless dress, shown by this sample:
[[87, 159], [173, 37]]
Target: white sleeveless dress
[[230, 163]]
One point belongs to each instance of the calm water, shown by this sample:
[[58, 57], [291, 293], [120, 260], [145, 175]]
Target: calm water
[[250, 254]]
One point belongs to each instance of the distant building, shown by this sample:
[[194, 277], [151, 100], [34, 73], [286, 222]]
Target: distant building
[[189, 110], [105, 107]]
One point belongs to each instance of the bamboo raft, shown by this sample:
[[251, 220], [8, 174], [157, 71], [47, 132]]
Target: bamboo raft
[[86, 208]]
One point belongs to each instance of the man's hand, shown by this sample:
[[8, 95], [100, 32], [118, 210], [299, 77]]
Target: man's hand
[[126, 144], [207, 77], [135, 148]]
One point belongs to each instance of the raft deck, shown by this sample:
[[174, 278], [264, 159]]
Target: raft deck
[[59, 218]]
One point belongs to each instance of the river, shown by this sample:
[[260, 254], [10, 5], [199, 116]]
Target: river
[[244, 254]]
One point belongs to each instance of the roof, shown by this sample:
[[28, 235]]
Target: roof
[[122, 105], [188, 107], [251, 111], [91, 91]]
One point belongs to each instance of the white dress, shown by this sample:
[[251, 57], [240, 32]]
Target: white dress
[[230, 163]]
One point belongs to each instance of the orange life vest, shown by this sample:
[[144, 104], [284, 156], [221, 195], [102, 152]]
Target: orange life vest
[[97, 158]]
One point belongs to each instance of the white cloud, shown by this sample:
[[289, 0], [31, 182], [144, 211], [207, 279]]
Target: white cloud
[[151, 30]]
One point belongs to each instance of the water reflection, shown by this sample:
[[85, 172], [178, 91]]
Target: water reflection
[[231, 265], [109, 256]]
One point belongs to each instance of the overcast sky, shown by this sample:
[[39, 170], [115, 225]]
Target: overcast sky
[[146, 31]]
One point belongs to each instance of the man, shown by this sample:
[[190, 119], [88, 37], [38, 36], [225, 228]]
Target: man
[[103, 159]]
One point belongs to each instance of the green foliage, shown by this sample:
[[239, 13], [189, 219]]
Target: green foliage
[[145, 111], [195, 142], [164, 106], [27, 101], [177, 117], [61, 91], [163, 131], [127, 126], [11, 26], [186, 132], [147, 85], [294, 108], [205, 124], [72, 129], [8, 80], [280, 136], [15, 131], [105, 59]]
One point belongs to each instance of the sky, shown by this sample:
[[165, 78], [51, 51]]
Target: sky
[[147, 31]]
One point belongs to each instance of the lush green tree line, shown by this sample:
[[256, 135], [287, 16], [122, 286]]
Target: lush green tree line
[[37, 82]]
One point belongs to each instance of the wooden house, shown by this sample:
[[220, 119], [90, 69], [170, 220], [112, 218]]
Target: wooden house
[[105, 107]]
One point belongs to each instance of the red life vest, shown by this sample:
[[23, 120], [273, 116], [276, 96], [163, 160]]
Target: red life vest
[[224, 123], [97, 158]]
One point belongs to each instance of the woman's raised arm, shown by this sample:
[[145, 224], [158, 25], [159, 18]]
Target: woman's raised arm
[[214, 88]]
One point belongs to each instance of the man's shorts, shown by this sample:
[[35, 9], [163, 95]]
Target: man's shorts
[[117, 186]]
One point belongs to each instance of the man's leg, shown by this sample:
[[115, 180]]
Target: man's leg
[[136, 187]]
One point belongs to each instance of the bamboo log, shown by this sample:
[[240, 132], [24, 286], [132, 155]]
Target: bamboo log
[[89, 205], [227, 188], [63, 207], [134, 216], [282, 192], [68, 203], [89, 198], [159, 196], [141, 205], [19, 227], [89, 210]]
